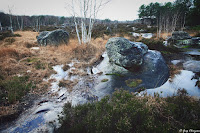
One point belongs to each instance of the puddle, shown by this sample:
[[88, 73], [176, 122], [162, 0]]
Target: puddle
[[183, 80], [147, 35], [192, 51]]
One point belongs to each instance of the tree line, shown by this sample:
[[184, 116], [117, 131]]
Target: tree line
[[172, 16], [19, 22]]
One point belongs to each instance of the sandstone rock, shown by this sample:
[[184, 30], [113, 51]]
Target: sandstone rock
[[55, 37], [125, 53]]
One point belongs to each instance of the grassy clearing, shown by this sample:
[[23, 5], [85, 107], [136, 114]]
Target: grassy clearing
[[126, 112]]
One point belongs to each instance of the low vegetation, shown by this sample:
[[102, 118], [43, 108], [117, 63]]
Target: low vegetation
[[126, 112], [14, 89], [133, 82]]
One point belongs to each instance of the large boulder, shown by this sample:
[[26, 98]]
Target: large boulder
[[151, 72], [125, 53], [55, 37]]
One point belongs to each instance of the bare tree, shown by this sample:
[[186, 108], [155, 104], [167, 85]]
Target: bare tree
[[22, 23], [20, 26], [10, 15], [18, 22], [88, 11], [1, 28]]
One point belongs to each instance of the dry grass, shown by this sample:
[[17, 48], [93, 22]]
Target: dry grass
[[68, 84], [79, 72], [174, 70], [11, 52], [18, 58]]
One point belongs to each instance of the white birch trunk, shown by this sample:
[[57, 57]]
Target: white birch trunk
[[1, 28]]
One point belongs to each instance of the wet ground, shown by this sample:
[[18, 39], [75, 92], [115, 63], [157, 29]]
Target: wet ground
[[43, 115]]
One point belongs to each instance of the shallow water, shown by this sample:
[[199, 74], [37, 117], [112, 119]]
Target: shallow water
[[180, 81]]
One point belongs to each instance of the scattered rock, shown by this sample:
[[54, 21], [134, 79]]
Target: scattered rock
[[181, 38], [180, 35], [125, 53], [55, 37], [192, 65]]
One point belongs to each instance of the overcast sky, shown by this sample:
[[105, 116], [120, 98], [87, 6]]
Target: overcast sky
[[114, 10]]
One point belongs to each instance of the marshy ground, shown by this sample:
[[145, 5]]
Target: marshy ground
[[25, 68]]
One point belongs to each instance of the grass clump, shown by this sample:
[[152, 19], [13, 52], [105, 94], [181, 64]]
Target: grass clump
[[11, 52], [65, 67], [133, 82], [14, 89], [126, 112], [104, 80], [10, 40], [115, 74], [6, 34]]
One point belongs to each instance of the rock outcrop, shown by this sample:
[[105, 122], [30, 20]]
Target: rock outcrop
[[55, 37]]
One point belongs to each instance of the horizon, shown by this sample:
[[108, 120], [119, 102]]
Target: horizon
[[114, 10]]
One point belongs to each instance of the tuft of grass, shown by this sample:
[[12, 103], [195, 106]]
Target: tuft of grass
[[187, 46], [104, 80], [30, 60], [115, 74], [62, 83], [174, 70], [11, 52], [10, 40], [39, 65], [133, 82], [66, 67], [29, 44]]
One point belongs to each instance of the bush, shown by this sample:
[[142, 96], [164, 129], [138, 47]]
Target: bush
[[14, 89], [3, 35], [126, 112]]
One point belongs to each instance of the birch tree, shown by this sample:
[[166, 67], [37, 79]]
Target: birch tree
[[10, 16], [1, 27], [85, 13]]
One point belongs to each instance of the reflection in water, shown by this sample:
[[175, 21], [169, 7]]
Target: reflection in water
[[183, 80]]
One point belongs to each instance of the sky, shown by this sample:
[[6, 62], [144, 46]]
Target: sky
[[121, 10]]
